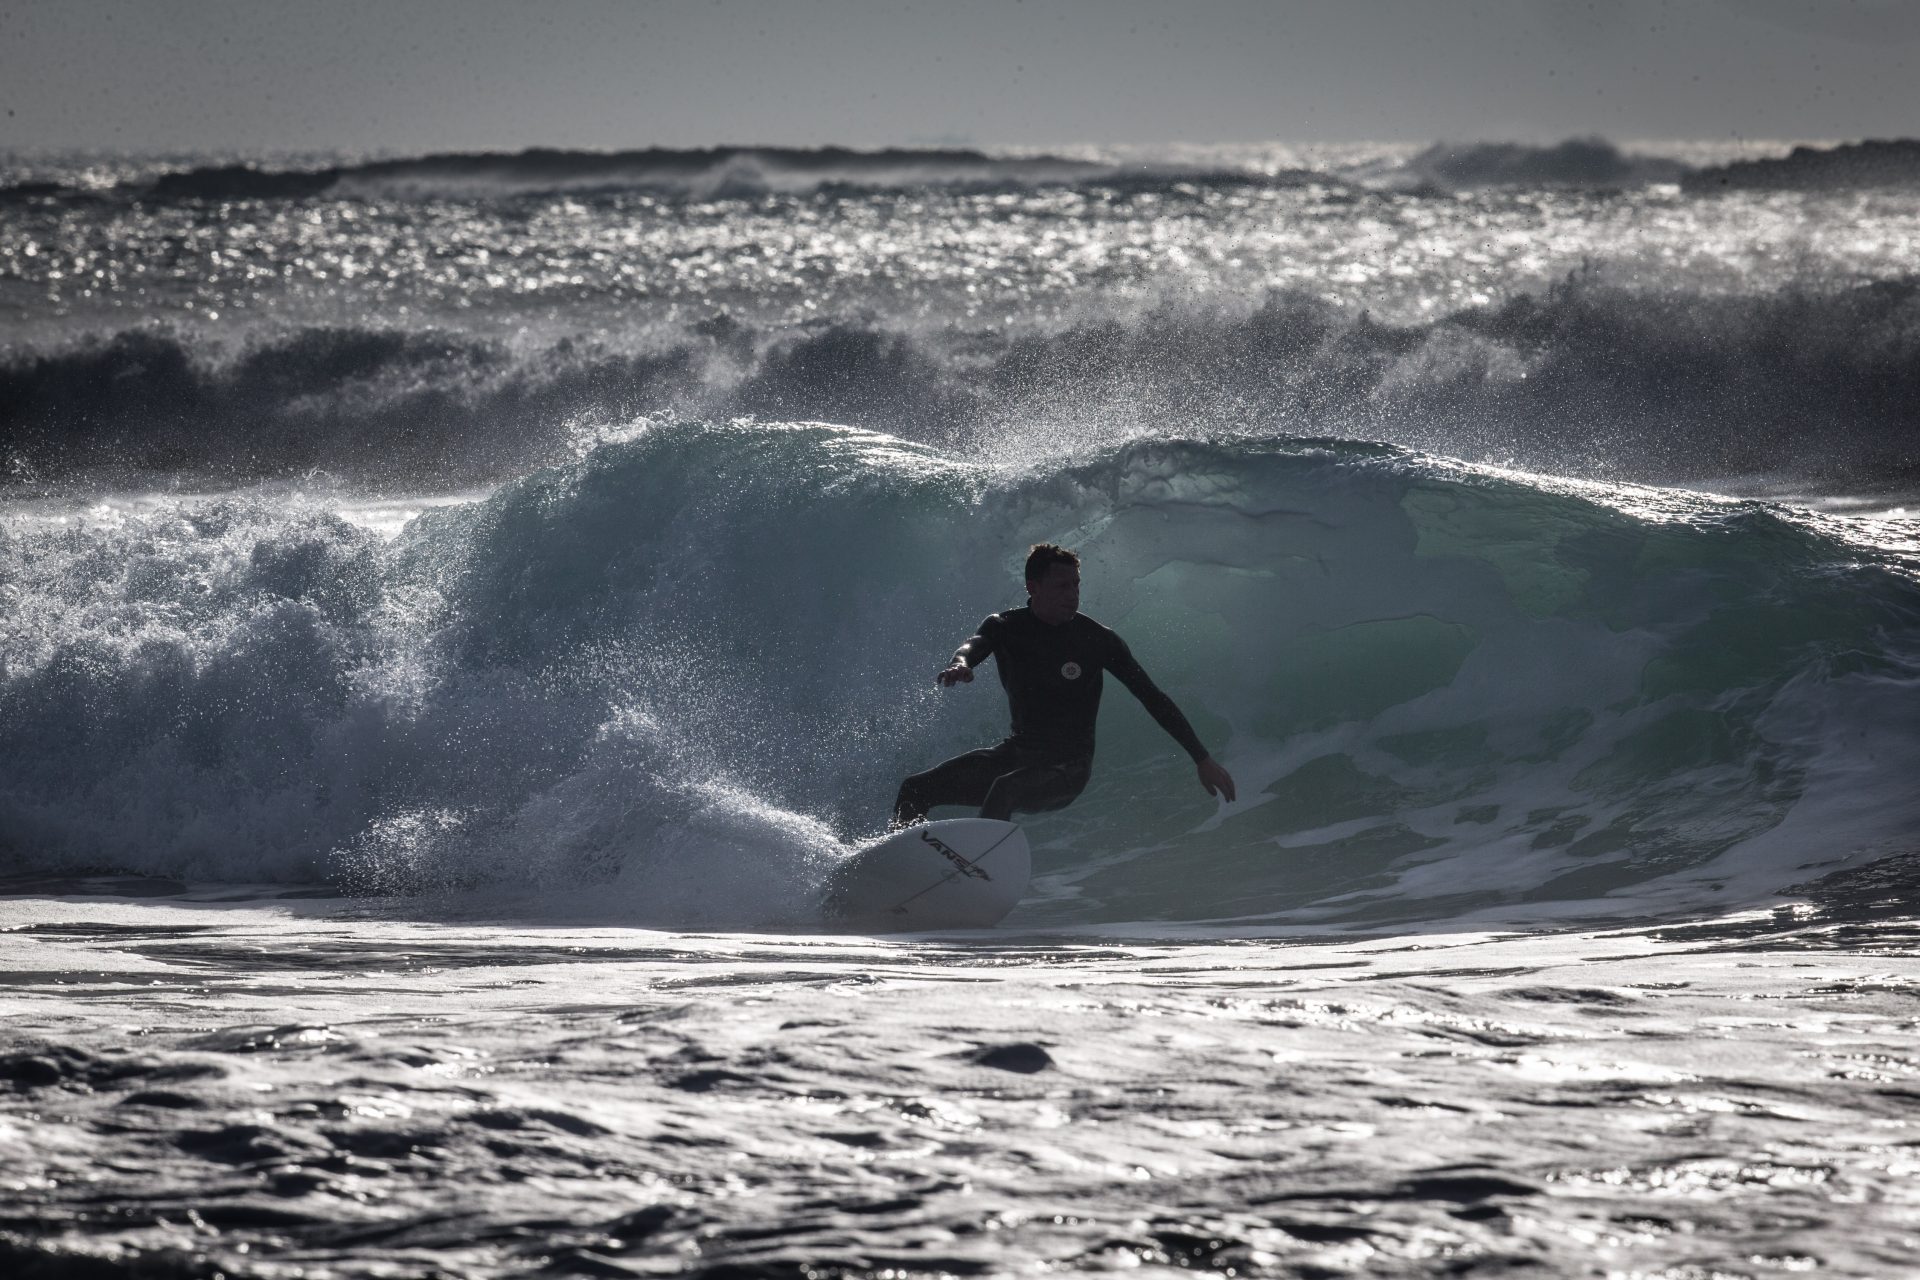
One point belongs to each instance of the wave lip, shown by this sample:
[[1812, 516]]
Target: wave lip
[[1875, 163]]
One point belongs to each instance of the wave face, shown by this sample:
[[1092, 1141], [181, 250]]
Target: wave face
[[667, 675]]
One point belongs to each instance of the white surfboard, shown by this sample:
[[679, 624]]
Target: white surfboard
[[964, 873]]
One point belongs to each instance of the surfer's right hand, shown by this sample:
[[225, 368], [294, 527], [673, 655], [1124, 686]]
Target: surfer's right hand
[[958, 673]]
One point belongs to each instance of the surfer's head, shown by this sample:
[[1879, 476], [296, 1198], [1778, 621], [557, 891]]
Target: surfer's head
[[1053, 583]]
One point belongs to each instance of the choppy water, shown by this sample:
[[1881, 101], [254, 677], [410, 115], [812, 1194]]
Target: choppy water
[[195, 1087], [553, 552]]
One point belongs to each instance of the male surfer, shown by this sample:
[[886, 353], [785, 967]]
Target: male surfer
[[1051, 657]]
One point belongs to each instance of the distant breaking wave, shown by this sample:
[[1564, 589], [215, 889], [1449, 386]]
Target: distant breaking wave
[[1859, 166], [1589, 164], [1586, 163], [1585, 379], [703, 173]]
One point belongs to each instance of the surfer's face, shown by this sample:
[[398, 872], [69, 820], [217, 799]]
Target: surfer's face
[[1055, 595]]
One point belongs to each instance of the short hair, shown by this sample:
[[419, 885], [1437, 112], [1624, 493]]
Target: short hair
[[1044, 555]]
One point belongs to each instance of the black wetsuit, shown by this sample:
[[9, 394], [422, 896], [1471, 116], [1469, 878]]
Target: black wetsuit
[[1052, 675]]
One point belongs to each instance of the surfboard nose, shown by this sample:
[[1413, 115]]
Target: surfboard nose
[[962, 873]]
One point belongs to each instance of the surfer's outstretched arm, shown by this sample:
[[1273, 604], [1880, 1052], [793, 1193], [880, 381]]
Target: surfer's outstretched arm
[[1128, 671], [977, 648]]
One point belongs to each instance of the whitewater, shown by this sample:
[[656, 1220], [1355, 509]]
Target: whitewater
[[459, 609]]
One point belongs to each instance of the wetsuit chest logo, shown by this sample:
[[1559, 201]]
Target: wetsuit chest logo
[[1071, 671]]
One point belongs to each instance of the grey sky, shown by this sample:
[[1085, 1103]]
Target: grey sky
[[420, 75]]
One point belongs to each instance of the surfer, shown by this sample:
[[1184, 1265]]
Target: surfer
[[1051, 657]]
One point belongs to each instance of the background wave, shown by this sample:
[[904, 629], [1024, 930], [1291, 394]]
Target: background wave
[[706, 173], [1580, 163], [670, 673], [1860, 166], [746, 172], [1814, 385]]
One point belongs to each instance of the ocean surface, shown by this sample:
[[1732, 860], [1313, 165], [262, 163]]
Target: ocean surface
[[458, 609]]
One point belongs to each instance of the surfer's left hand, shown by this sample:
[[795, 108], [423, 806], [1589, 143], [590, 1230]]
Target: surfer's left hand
[[1215, 779]]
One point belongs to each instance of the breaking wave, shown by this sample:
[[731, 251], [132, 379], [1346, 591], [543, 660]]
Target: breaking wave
[[725, 173], [671, 672], [709, 173], [1585, 379], [1587, 163], [1858, 166]]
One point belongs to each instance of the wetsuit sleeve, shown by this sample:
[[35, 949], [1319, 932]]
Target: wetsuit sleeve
[[980, 645], [1127, 671]]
